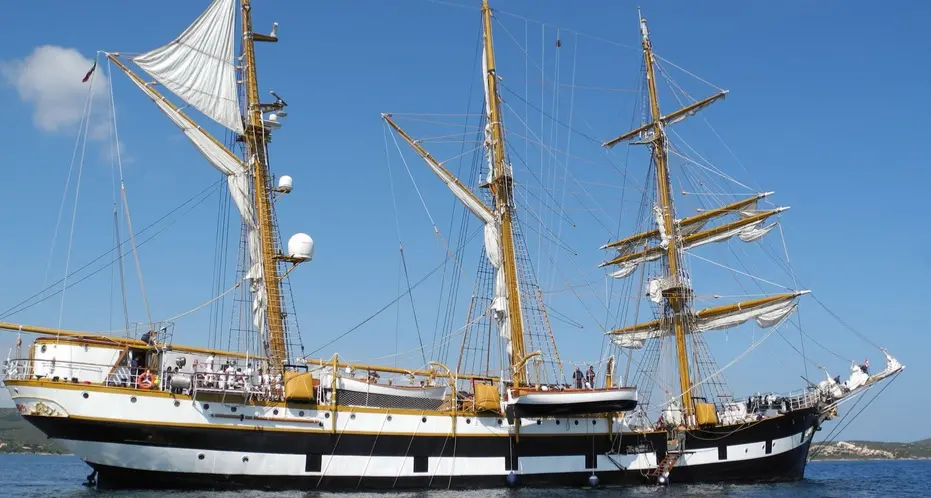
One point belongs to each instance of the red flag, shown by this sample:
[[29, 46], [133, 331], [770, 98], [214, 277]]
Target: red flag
[[89, 73]]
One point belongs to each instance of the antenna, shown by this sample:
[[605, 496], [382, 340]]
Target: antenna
[[274, 33], [279, 99]]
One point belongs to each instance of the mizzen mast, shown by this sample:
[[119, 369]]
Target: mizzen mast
[[255, 138], [503, 190]]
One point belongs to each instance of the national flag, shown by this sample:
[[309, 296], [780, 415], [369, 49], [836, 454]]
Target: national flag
[[89, 73]]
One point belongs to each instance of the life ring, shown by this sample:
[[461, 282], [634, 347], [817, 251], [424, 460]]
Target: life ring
[[145, 380]]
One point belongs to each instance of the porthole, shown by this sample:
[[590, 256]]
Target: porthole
[[245, 459], [85, 395], [557, 422], [132, 400], [275, 412], [327, 414], [43, 348], [352, 417], [499, 421], [576, 422], [389, 418], [594, 422], [177, 403], [424, 419], [539, 422], [300, 413], [468, 421], [201, 456], [233, 409], [206, 406]]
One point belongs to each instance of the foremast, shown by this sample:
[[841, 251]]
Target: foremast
[[255, 137], [675, 296], [502, 187], [674, 289]]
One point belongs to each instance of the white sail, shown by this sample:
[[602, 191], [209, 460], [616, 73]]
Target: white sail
[[238, 179], [199, 66], [766, 315], [499, 305], [747, 233]]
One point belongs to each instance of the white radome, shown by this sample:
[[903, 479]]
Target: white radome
[[285, 183], [301, 246]]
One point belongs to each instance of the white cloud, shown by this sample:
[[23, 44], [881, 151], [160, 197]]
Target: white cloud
[[50, 80]]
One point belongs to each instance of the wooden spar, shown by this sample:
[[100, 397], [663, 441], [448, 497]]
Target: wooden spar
[[688, 240], [713, 312], [120, 341], [503, 189], [255, 139], [691, 220]]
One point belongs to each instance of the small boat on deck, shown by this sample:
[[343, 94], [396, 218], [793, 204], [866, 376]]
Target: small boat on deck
[[363, 393], [540, 403]]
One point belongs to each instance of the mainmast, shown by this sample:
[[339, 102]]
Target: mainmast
[[676, 294], [503, 189], [255, 137]]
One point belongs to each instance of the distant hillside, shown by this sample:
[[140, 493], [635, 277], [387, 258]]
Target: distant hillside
[[861, 450], [17, 436]]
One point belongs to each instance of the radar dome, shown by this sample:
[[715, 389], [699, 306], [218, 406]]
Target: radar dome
[[285, 183], [301, 246]]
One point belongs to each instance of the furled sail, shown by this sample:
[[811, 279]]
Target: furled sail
[[748, 229], [690, 225], [767, 312], [238, 177], [199, 66], [499, 305]]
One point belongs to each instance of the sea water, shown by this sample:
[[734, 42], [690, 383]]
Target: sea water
[[62, 476]]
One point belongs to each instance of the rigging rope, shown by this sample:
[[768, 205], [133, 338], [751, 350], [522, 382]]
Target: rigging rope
[[64, 195], [129, 221], [410, 295], [829, 439], [22, 305], [204, 305], [77, 194], [383, 308], [116, 160]]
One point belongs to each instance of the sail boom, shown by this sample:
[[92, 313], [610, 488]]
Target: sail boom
[[238, 181], [696, 239], [463, 193], [675, 117], [162, 100], [691, 220], [775, 308]]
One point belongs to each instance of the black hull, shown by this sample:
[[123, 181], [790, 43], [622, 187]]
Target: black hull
[[781, 465], [785, 467]]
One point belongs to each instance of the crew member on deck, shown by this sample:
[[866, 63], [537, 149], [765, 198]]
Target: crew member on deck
[[590, 377], [578, 377]]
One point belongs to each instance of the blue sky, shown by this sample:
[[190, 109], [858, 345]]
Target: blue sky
[[825, 108]]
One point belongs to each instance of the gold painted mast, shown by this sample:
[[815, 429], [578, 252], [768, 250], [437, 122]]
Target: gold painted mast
[[502, 187], [676, 296], [255, 139]]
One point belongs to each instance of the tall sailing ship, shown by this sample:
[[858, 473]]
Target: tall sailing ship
[[150, 413]]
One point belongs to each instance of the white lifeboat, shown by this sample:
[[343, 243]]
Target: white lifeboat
[[531, 402]]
